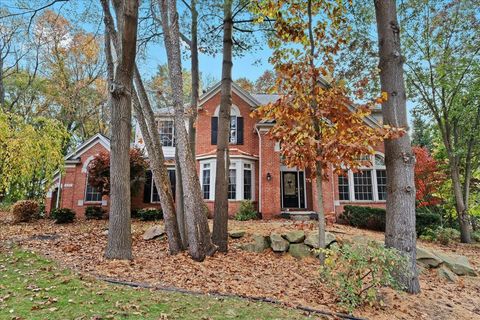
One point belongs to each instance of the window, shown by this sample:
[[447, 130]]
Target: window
[[362, 185], [166, 130], [343, 187], [247, 181], [232, 184], [155, 195], [369, 184], [241, 179], [382, 184], [92, 194], [206, 181], [233, 129]]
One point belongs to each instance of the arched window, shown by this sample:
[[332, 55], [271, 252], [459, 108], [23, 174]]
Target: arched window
[[236, 126], [367, 184]]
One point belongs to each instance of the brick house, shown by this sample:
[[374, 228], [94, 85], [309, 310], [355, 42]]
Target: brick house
[[256, 170]]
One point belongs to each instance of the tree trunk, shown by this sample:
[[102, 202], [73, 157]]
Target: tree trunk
[[220, 222], [146, 120], [399, 157], [119, 236], [321, 211], [460, 205], [179, 201], [199, 240], [2, 89], [192, 119]]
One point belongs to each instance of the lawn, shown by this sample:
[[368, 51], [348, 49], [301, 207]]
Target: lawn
[[32, 287]]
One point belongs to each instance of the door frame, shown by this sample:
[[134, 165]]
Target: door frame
[[294, 169]]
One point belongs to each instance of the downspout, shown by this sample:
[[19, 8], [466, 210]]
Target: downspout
[[259, 170], [59, 190]]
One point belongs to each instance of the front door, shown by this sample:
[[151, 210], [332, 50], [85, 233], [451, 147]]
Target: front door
[[290, 189]]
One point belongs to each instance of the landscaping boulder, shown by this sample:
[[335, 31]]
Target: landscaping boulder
[[153, 232], [428, 258], [296, 236], [278, 244], [236, 234], [458, 264], [447, 274], [312, 239], [299, 250], [259, 244]]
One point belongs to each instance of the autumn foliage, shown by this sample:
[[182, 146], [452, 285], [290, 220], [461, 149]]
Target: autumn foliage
[[428, 178], [99, 170]]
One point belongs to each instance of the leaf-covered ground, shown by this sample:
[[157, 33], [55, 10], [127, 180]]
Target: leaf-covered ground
[[32, 287], [80, 246]]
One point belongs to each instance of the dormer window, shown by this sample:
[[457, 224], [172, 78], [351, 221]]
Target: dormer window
[[167, 132]]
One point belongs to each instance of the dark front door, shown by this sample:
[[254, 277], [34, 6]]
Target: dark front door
[[290, 189]]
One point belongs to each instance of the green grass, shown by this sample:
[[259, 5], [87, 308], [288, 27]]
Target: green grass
[[32, 287]]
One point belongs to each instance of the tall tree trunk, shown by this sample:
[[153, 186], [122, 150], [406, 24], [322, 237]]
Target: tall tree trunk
[[179, 201], [321, 211], [399, 157], [193, 112], [220, 222], [460, 205], [199, 241], [146, 120], [119, 244], [2, 89]]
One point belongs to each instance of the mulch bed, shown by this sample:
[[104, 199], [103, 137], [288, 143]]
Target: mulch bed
[[80, 246]]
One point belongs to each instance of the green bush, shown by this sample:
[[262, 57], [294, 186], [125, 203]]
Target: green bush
[[374, 218], [246, 211], [440, 234], [62, 215], [95, 213], [150, 214], [364, 217], [476, 236], [356, 272], [134, 214], [25, 211], [426, 220]]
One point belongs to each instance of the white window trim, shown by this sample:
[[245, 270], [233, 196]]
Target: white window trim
[[373, 169], [173, 130], [238, 165], [85, 194]]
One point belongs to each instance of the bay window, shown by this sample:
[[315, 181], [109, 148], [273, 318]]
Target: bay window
[[367, 184], [240, 179]]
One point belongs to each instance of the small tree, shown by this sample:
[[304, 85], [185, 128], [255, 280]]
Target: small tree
[[428, 178], [314, 119], [99, 170]]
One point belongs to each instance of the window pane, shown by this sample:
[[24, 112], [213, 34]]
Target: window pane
[[362, 184], [382, 184], [232, 184], [93, 194], [247, 184], [379, 160], [165, 128], [206, 183], [233, 129], [343, 188]]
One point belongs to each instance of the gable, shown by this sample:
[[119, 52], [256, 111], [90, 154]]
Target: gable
[[74, 157]]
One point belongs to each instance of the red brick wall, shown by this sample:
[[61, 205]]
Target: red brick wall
[[73, 184], [270, 198]]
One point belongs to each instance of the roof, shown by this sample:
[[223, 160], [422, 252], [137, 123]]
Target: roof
[[74, 156]]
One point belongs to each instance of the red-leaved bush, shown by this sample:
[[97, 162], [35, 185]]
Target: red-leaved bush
[[99, 170], [428, 178]]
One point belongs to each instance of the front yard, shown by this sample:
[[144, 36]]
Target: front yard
[[80, 246]]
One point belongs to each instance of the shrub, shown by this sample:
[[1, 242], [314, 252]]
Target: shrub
[[356, 272], [95, 213], [25, 211], [476, 236], [364, 217], [374, 218], [134, 214], [62, 215], [150, 214], [246, 211], [426, 220], [440, 234]]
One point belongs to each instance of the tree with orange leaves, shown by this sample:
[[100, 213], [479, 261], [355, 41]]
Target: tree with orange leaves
[[316, 120]]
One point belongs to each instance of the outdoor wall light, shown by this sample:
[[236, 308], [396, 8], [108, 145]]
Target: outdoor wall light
[[269, 176]]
